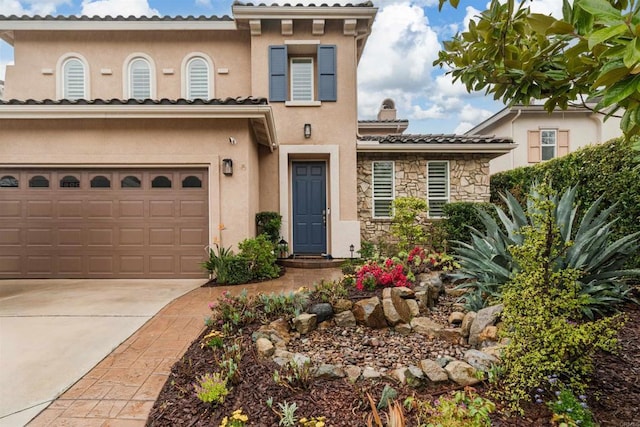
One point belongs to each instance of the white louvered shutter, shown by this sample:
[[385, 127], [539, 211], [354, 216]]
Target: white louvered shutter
[[198, 84], [74, 81], [140, 79], [302, 79], [383, 192], [437, 187]]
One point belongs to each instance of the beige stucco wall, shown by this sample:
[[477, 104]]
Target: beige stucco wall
[[146, 143], [37, 53], [584, 129], [469, 182]]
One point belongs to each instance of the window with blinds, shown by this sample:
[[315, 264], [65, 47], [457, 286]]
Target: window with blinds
[[74, 79], [198, 79], [437, 187], [139, 79], [383, 189], [302, 79]]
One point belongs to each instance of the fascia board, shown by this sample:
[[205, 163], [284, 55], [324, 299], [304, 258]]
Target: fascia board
[[50, 25], [284, 12], [436, 148]]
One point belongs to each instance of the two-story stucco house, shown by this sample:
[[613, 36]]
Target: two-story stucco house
[[541, 136], [129, 145]]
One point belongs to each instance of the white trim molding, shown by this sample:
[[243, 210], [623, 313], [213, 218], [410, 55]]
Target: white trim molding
[[126, 83], [60, 74], [184, 76]]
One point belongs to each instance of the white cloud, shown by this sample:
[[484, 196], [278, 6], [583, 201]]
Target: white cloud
[[117, 7], [11, 7], [472, 13], [463, 127], [547, 7], [30, 7], [203, 3]]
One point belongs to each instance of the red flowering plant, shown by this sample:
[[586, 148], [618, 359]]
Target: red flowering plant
[[372, 275], [419, 261]]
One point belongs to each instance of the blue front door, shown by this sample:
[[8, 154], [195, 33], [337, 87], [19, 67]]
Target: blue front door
[[309, 208]]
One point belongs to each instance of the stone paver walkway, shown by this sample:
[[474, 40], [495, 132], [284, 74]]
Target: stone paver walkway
[[121, 390]]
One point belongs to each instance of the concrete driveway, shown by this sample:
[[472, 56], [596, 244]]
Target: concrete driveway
[[54, 331]]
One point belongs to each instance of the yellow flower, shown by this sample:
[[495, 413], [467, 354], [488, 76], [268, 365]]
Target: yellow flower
[[224, 422], [320, 424]]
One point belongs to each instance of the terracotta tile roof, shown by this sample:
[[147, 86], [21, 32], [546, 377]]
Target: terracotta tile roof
[[437, 139], [384, 121], [164, 101], [363, 4], [82, 18]]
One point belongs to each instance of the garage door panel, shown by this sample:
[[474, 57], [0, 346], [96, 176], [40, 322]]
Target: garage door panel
[[10, 237], [70, 237], [40, 209], [117, 226], [11, 209]]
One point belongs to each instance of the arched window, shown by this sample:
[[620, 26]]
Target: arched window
[[38, 181], [70, 181], [161, 181], [100, 181], [130, 182], [191, 182], [140, 82], [74, 81], [8, 181], [198, 79]]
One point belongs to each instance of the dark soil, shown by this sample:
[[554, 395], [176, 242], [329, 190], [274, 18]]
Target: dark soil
[[614, 394]]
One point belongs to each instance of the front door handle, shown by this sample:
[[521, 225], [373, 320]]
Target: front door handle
[[324, 217]]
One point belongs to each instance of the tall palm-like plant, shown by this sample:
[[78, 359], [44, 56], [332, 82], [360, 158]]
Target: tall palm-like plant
[[488, 261]]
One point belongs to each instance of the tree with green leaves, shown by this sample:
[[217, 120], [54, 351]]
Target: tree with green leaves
[[592, 52]]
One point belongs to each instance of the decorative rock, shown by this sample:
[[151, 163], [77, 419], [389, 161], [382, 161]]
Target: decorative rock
[[329, 371], [369, 312], [400, 303], [326, 325], [300, 359], [466, 323], [345, 319], [282, 357], [414, 308], [353, 372], [369, 373], [425, 326], [456, 318], [434, 372], [461, 373], [480, 360], [323, 310], [265, 347], [386, 293], [402, 329], [450, 335], [341, 305], [390, 312], [485, 317], [490, 333], [403, 292], [494, 350], [305, 323], [443, 361], [414, 375], [399, 374], [455, 292]]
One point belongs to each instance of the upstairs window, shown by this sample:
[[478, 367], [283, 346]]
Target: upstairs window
[[302, 73], [140, 79], [437, 188], [546, 144], [198, 76], [74, 82], [382, 189], [548, 141]]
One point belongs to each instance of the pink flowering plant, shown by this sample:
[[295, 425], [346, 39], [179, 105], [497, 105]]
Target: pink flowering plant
[[421, 261], [390, 272]]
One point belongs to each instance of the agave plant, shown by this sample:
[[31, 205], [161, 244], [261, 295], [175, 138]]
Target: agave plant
[[488, 262]]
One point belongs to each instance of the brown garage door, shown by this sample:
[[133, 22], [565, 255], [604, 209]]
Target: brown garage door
[[108, 223]]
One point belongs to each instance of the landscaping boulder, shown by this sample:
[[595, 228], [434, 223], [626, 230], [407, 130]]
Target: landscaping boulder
[[434, 372], [480, 360], [328, 371], [341, 305], [265, 347], [414, 375], [401, 304], [353, 372], [461, 373], [488, 336], [402, 329], [414, 308], [369, 312], [403, 292], [305, 323], [450, 335], [390, 313], [456, 318], [323, 311], [485, 317], [369, 373], [426, 326], [466, 323], [345, 319]]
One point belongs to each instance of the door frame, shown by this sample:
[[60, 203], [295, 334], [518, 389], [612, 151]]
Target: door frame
[[327, 208]]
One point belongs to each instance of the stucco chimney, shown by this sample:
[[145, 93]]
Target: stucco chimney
[[387, 110]]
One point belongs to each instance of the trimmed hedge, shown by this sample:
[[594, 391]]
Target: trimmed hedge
[[610, 170], [461, 215]]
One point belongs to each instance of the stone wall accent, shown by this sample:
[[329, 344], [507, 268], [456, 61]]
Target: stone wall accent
[[469, 182]]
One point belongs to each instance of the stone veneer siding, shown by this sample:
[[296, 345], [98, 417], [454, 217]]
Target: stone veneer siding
[[468, 182]]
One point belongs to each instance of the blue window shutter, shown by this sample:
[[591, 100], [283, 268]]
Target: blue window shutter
[[327, 78], [277, 73]]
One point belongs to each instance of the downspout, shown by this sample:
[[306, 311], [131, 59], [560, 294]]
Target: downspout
[[511, 123], [355, 48], [596, 118]]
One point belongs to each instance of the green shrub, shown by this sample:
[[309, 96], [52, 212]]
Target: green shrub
[[608, 170], [269, 223], [406, 225], [543, 311], [261, 257], [463, 409], [460, 217], [211, 388], [367, 250], [238, 270], [218, 263]]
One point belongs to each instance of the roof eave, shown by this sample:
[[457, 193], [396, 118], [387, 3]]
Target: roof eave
[[485, 148], [241, 12], [9, 26]]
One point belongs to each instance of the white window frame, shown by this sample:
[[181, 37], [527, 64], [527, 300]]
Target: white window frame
[[373, 186], [309, 60], [444, 199], [186, 62], [60, 81], [127, 92], [554, 145]]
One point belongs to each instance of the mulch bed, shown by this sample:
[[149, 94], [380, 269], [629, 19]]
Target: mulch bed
[[613, 396]]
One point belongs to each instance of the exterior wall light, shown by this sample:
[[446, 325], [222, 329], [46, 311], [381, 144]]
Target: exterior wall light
[[351, 249], [227, 167], [307, 130]]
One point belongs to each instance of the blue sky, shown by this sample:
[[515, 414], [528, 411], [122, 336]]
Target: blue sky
[[396, 64]]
